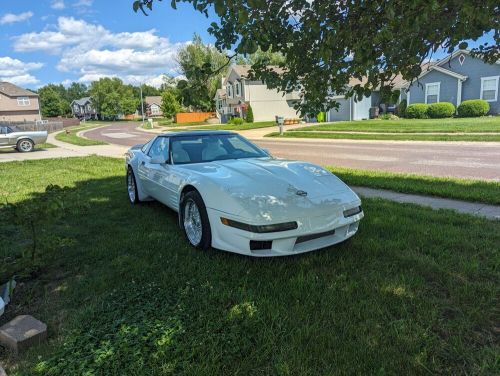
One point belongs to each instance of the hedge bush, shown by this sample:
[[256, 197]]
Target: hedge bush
[[236, 121], [441, 110], [401, 108], [249, 114], [417, 111], [473, 108]]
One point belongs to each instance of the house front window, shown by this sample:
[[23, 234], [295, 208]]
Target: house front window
[[238, 89], [489, 88], [229, 90], [432, 92], [23, 101]]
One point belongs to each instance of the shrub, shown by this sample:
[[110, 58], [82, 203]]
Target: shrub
[[401, 108], [417, 111], [441, 110], [473, 108], [249, 114], [236, 121]]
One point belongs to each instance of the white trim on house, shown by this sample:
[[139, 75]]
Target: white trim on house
[[459, 92], [496, 78], [449, 72], [438, 84]]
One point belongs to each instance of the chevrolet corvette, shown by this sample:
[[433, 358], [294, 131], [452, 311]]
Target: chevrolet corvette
[[232, 195]]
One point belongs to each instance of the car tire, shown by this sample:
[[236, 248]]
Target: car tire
[[193, 210], [133, 195], [25, 146]]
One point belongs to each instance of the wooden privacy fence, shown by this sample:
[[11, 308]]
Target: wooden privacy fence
[[193, 117], [51, 126]]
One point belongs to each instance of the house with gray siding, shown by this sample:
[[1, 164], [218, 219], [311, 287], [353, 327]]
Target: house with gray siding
[[454, 79]]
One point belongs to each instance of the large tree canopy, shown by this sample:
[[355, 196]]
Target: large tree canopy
[[325, 42]]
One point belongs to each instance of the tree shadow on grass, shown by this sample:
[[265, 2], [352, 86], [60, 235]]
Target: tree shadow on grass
[[125, 294]]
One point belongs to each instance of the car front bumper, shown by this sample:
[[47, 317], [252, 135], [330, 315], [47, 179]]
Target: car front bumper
[[313, 233]]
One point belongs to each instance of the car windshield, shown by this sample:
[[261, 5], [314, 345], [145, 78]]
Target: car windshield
[[213, 147]]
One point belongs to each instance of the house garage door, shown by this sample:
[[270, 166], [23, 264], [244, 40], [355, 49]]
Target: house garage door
[[342, 113]]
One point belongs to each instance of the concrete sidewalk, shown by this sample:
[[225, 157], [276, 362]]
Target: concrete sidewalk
[[464, 207]]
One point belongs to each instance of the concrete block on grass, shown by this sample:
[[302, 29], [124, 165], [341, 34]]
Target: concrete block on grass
[[22, 333]]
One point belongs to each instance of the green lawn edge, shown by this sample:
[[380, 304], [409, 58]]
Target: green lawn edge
[[487, 192], [451, 125], [73, 139], [386, 137]]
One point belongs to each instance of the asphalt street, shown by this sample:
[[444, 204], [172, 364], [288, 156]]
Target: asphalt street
[[477, 160]]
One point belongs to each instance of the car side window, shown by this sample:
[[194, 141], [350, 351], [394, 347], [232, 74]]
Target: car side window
[[159, 148], [3, 130]]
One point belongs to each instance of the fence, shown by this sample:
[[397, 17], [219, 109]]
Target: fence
[[193, 117], [50, 126]]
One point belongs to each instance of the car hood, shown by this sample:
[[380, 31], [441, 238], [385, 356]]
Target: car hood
[[274, 189]]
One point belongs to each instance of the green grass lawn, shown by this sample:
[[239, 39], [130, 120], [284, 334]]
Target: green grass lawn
[[453, 125], [393, 137], [414, 292], [461, 189], [72, 137]]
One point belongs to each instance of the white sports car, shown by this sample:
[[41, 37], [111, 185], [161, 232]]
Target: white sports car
[[234, 196]]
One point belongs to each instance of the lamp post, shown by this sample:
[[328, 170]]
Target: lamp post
[[142, 106]]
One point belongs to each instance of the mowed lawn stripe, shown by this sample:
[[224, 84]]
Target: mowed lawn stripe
[[452, 125]]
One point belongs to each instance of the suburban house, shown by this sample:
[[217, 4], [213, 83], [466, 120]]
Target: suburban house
[[18, 105], [352, 108], [454, 79], [238, 92], [82, 109], [153, 106]]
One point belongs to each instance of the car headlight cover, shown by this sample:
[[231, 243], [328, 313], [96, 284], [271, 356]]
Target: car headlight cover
[[352, 211], [260, 229]]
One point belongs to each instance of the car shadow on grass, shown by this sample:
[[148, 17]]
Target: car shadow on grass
[[123, 293]]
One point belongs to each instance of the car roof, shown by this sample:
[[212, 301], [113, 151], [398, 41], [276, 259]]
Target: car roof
[[196, 133]]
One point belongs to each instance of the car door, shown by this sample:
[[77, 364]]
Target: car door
[[155, 170], [4, 137]]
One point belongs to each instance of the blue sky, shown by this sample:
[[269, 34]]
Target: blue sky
[[59, 41], [43, 41]]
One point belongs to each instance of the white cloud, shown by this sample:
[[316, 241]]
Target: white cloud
[[58, 4], [11, 18], [17, 71], [84, 3], [92, 51]]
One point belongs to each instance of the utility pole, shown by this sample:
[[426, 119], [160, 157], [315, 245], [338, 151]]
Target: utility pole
[[142, 105]]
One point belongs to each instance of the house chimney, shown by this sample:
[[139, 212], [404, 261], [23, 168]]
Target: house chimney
[[222, 82]]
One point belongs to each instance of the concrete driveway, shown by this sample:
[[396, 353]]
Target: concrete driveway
[[475, 160]]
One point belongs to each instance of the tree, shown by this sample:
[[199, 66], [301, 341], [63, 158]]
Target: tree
[[76, 91], [262, 57], [51, 102], [197, 60], [249, 118], [169, 104], [326, 43], [110, 98]]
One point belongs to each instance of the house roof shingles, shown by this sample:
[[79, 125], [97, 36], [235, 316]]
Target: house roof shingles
[[82, 101], [12, 90], [152, 100]]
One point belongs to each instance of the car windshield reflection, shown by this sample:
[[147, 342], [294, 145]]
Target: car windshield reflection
[[209, 148]]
